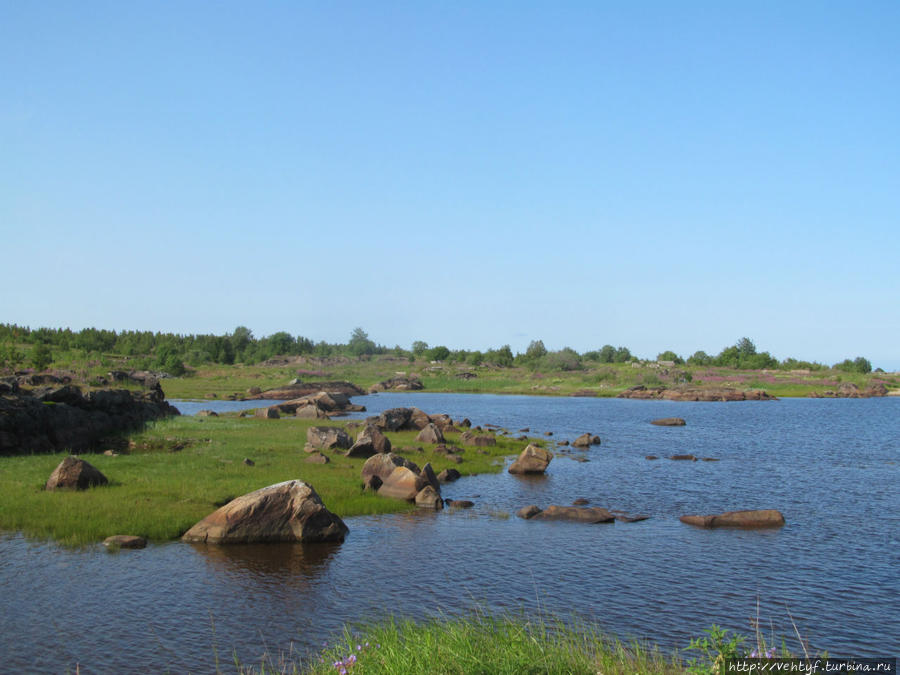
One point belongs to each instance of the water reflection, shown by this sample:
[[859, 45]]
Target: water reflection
[[288, 563]]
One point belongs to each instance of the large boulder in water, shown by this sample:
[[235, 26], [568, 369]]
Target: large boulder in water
[[533, 459], [285, 512], [76, 474], [749, 519]]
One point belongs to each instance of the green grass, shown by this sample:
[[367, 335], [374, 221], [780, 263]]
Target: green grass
[[159, 493], [475, 645]]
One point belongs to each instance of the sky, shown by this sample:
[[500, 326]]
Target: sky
[[655, 175]]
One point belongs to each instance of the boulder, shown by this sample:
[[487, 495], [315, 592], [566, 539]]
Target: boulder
[[744, 519], [328, 438], [533, 459], [125, 541], [479, 440], [285, 512], [579, 514], [427, 477], [586, 440], [311, 412], [74, 473], [382, 464], [669, 422], [395, 419], [369, 442], [267, 413], [428, 498], [318, 458], [419, 419], [372, 483], [527, 512], [448, 475], [397, 384], [684, 458], [430, 434], [403, 483]]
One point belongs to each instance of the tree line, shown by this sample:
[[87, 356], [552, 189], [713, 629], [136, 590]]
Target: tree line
[[174, 352]]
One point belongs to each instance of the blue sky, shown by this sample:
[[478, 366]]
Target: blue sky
[[656, 175]]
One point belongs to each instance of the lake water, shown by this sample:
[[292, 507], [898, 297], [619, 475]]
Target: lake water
[[831, 466]]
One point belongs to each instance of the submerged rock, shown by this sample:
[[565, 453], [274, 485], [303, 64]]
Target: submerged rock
[[125, 541], [751, 519], [669, 422], [291, 511], [532, 460]]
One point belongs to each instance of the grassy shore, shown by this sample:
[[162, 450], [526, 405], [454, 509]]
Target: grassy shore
[[474, 645], [179, 470]]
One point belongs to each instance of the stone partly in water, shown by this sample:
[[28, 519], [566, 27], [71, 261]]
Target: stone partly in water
[[428, 498], [125, 541], [669, 422], [749, 519], [586, 440], [532, 460], [579, 514], [75, 474], [286, 512], [403, 483], [448, 475]]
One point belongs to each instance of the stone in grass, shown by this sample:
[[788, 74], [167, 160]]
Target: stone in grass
[[75, 474], [125, 541], [291, 511], [430, 434]]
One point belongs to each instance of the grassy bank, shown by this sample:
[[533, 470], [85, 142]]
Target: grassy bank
[[475, 645], [180, 470]]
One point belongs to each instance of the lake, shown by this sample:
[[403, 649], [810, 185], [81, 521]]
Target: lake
[[830, 466]]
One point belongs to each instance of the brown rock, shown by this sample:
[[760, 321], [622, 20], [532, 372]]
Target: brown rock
[[460, 504], [430, 434], [685, 458], [533, 459], [580, 514], [527, 512], [623, 518], [125, 541], [328, 438], [369, 442], [395, 419], [581, 501], [427, 477], [744, 519], [285, 512], [382, 464], [311, 412], [583, 441], [74, 473], [267, 413], [479, 440], [448, 475], [669, 422], [317, 458], [427, 498], [403, 483], [651, 457]]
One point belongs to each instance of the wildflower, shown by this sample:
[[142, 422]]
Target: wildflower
[[359, 648]]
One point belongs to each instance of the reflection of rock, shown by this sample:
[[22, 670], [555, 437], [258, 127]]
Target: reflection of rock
[[286, 512], [744, 519], [532, 459], [74, 473], [291, 564]]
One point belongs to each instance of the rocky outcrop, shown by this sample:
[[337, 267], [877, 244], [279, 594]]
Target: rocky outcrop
[[56, 418], [669, 422], [75, 474], [406, 482], [327, 438], [850, 390], [331, 403], [764, 518], [532, 460], [398, 384], [293, 391], [286, 512], [695, 394]]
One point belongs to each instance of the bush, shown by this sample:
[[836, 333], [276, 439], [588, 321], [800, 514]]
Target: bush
[[40, 357]]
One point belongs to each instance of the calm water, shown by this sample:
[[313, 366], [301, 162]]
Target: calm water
[[831, 466]]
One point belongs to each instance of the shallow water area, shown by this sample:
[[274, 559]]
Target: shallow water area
[[831, 466]]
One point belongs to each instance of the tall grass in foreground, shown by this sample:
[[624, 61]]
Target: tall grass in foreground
[[477, 644]]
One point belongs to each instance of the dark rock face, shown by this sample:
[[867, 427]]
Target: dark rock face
[[669, 422], [51, 419], [532, 459], [75, 474], [398, 384], [448, 476], [286, 512], [370, 441], [750, 519]]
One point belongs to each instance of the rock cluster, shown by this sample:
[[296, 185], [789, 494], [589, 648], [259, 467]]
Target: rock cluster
[[850, 390], [300, 389], [398, 384]]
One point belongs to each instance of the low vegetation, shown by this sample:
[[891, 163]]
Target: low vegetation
[[180, 470]]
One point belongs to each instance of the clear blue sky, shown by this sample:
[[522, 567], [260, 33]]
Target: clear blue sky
[[658, 175]]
